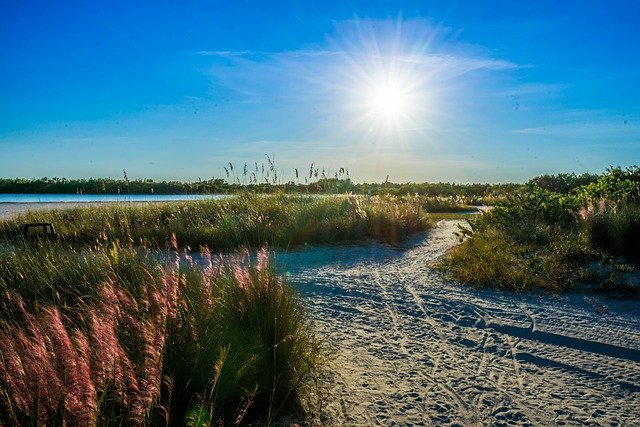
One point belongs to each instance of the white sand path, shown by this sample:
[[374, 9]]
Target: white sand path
[[414, 349]]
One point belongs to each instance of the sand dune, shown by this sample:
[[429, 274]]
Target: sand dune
[[412, 348]]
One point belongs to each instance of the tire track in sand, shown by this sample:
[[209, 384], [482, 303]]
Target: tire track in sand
[[414, 349]]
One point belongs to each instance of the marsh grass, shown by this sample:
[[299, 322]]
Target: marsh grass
[[115, 336], [246, 220]]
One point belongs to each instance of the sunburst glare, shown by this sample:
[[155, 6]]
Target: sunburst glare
[[390, 99], [386, 79]]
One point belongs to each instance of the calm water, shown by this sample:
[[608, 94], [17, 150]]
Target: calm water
[[85, 198]]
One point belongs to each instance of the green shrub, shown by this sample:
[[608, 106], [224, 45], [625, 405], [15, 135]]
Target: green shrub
[[616, 232], [616, 186]]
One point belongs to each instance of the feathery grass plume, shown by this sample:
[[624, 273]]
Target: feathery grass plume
[[143, 347], [79, 391], [35, 389], [47, 375]]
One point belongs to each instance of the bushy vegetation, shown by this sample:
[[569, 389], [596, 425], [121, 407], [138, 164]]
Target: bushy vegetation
[[542, 239], [246, 220], [616, 232], [116, 336], [563, 183]]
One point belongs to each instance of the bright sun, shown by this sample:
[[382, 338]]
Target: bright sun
[[389, 100]]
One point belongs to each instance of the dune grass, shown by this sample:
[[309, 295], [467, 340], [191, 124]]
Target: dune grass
[[538, 239], [246, 220], [116, 336]]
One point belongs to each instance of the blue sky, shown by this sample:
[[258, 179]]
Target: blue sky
[[464, 91]]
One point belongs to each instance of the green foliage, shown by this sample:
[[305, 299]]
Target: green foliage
[[546, 235], [530, 216], [617, 186]]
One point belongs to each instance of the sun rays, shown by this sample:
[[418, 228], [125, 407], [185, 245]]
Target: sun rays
[[385, 84]]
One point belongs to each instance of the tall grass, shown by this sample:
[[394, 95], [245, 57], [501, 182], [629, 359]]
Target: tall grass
[[223, 225], [112, 336]]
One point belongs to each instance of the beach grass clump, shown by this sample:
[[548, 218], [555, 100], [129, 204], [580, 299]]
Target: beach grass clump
[[537, 239], [492, 261], [246, 220], [492, 258], [131, 337]]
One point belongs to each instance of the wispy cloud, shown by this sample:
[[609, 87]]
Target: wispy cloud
[[223, 53], [447, 61], [256, 53], [583, 130], [357, 49]]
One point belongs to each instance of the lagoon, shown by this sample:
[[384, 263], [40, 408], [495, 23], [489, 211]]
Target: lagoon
[[12, 204], [91, 198]]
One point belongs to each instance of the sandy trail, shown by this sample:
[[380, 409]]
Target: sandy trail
[[412, 348]]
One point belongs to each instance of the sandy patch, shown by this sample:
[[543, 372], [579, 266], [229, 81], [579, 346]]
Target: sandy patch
[[412, 348]]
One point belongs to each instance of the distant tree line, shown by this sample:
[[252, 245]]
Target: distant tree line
[[221, 186], [109, 186]]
